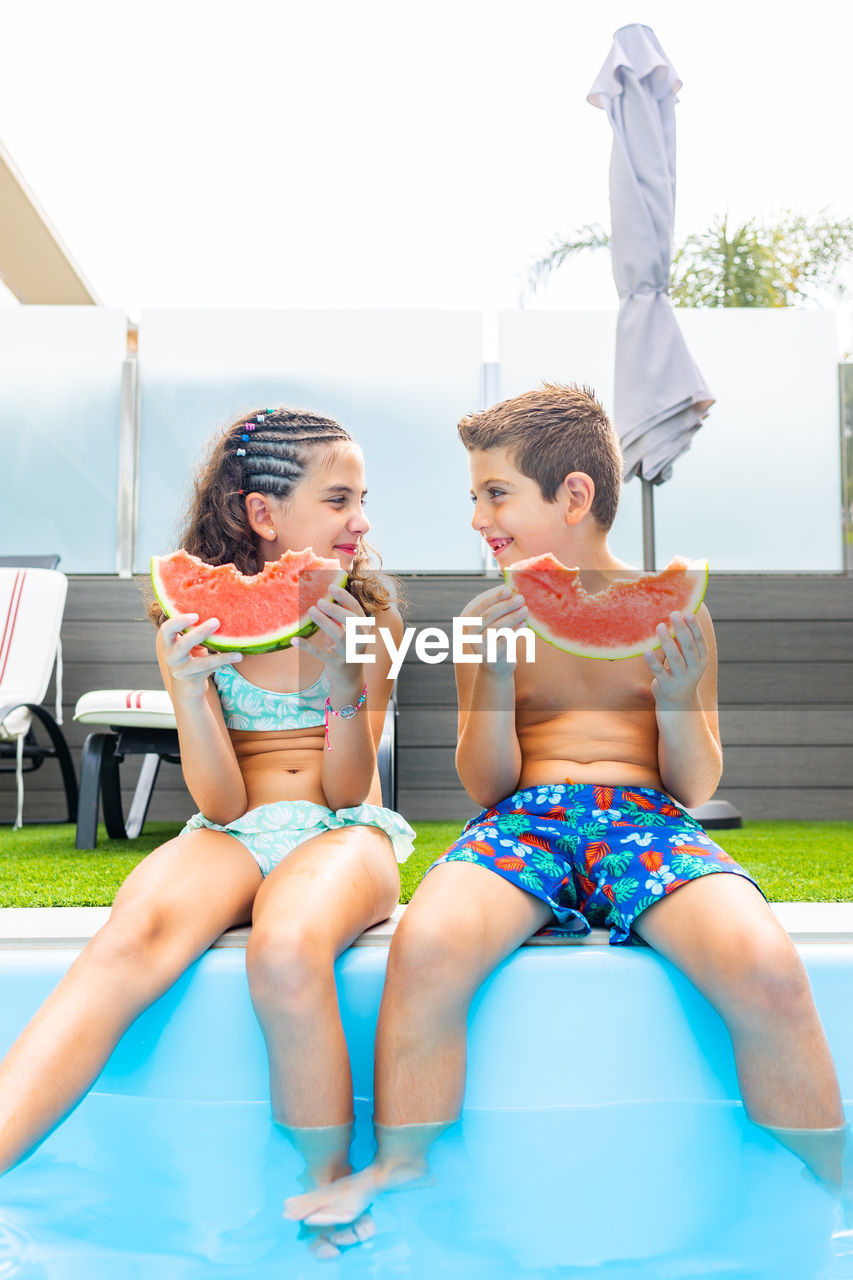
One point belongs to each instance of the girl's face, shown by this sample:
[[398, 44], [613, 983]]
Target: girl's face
[[325, 511]]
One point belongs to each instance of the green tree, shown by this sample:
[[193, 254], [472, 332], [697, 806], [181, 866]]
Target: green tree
[[780, 262]]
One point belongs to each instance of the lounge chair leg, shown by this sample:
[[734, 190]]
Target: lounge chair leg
[[90, 790], [111, 791], [142, 794], [60, 746]]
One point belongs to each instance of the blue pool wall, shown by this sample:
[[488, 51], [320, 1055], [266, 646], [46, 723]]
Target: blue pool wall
[[553, 1027]]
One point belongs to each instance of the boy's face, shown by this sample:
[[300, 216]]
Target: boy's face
[[510, 512]]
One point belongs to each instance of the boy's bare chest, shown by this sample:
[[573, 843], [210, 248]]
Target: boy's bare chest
[[558, 683]]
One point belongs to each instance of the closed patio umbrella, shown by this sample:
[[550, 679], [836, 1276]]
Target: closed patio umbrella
[[660, 396]]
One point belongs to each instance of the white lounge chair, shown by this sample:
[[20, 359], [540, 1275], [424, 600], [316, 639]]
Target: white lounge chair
[[32, 602], [136, 722]]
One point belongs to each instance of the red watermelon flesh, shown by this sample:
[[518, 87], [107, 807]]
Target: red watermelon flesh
[[619, 622], [257, 612]]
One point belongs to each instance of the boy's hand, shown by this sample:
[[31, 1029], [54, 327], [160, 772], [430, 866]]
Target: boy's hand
[[501, 607], [329, 642], [188, 662], [679, 663]]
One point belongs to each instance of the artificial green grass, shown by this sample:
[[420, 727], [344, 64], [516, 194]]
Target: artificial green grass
[[795, 861], [39, 866]]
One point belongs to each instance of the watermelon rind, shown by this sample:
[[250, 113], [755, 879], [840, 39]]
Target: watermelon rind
[[266, 646], [263, 643], [697, 569]]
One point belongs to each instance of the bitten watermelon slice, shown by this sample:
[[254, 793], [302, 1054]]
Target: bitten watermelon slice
[[618, 622], [256, 612]]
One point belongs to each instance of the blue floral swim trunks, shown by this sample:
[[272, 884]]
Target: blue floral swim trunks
[[599, 856]]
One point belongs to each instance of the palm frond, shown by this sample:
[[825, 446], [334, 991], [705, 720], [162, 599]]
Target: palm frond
[[587, 239], [780, 261]]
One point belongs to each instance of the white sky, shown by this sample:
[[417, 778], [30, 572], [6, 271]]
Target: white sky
[[284, 153]]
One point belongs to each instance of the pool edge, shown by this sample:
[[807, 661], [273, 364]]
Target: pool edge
[[47, 928]]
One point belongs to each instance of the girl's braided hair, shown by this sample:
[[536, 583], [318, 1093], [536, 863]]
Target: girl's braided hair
[[267, 451]]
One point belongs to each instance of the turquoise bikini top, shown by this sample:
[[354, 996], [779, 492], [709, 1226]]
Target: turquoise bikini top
[[247, 706]]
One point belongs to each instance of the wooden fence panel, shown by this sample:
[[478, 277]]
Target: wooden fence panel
[[786, 694]]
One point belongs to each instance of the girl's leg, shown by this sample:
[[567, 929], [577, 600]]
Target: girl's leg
[[308, 910], [169, 910], [462, 921], [722, 935]]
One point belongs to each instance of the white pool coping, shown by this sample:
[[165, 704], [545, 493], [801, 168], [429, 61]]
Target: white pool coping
[[48, 928]]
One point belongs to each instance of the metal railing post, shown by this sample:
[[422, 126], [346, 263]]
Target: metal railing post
[[128, 468], [845, 372], [490, 392]]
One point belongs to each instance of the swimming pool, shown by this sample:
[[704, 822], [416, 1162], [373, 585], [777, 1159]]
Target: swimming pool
[[603, 1137]]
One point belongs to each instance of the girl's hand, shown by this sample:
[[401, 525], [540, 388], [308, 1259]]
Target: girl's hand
[[329, 643], [188, 663], [501, 607], [684, 658]]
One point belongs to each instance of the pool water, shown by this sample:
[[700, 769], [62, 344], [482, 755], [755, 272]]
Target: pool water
[[141, 1188], [171, 1169]]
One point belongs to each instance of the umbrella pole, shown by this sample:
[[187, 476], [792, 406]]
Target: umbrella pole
[[714, 813], [648, 525]]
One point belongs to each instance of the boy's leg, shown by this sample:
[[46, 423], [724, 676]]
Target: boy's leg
[[722, 935], [169, 910], [462, 921]]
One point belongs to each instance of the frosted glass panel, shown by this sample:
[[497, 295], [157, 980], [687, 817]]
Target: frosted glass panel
[[60, 400], [569, 346], [760, 488], [399, 381]]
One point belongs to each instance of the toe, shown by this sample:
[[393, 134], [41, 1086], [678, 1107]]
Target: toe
[[356, 1232], [345, 1236], [364, 1227], [324, 1250]]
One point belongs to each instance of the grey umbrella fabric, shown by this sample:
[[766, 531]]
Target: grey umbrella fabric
[[660, 396]]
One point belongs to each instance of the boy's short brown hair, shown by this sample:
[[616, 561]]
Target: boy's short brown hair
[[550, 432]]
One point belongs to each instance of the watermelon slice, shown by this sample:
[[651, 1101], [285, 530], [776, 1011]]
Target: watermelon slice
[[256, 612], [618, 622]]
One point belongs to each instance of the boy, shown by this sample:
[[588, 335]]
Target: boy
[[545, 748]]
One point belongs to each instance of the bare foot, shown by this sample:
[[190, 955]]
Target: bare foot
[[325, 1242], [344, 1201], [326, 1153], [336, 1204]]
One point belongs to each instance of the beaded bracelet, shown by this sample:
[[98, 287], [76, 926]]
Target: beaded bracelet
[[346, 713]]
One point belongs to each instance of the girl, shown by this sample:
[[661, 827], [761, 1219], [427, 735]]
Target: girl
[[291, 833]]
